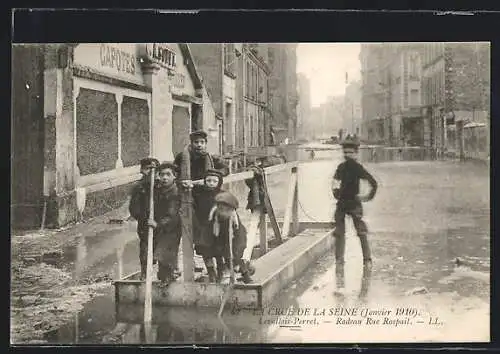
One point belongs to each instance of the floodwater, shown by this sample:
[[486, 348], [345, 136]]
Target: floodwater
[[430, 239]]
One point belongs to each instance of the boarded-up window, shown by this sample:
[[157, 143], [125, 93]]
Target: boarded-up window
[[135, 130], [96, 131]]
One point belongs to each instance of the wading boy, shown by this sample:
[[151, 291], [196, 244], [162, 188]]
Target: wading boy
[[348, 174]]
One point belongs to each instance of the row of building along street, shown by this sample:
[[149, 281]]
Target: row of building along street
[[85, 114], [431, 95]]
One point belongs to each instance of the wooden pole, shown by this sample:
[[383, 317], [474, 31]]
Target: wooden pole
[[187, 221], [295, 204], [263, 232], [148, 302], [289, 204]]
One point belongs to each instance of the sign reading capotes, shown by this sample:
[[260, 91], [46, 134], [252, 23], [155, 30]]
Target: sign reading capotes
[[161, 54], [118, 59]]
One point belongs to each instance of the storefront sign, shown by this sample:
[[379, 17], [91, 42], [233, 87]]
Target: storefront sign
[[117, 60], [161, 54]]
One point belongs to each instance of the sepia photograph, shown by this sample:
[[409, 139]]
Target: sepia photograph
[[250, 193]]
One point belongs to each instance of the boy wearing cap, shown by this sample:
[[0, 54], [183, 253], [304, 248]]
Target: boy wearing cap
[[139, 208], [166, 224], [204, 201], [348, 174], [200, 159], [224, 222]]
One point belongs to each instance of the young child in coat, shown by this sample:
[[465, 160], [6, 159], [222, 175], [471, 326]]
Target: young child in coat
[[139, 207], [166, 223], [348, 174], [204, 201], [224, 223]]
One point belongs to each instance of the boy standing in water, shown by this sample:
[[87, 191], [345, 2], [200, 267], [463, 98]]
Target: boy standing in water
[[348, 174]]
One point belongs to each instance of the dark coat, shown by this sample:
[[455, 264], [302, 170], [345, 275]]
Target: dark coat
[[203, 202], [167, 234], [199, 164], [218, 246]]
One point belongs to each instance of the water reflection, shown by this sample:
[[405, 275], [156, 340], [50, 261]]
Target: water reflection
[[184, 326], [340, 283]]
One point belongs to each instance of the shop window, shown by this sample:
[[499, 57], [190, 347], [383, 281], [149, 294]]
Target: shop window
[[96, 131], [135, 130]]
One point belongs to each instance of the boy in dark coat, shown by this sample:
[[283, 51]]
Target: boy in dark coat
[[166, 223], [139, 207], [224, 223], [349, 173], [201, 160], [204, 201]]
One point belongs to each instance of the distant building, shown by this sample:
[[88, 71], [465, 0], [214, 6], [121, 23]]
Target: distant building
[[391, 93], [327, 119], [352, 109], [304, 108], [283, 89]]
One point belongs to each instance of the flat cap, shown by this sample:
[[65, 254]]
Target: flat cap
[[228, 199], [197, 134]]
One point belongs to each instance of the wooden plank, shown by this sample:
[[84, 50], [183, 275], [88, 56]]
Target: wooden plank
[[295, 205], [263, 233], [241, 176], [285, 232], [270, 211]]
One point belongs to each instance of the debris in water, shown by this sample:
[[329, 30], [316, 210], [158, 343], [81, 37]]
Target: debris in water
[[116, 221], [417, 291]]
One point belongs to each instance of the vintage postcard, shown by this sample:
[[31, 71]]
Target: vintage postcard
[[226, 193]]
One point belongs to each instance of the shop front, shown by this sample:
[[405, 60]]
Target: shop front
[[128, 101]]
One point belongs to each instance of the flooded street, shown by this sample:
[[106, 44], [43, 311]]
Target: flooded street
[[430, 236]]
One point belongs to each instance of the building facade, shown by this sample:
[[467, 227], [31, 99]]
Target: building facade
[[235, 76], [98, 109], [283, 90], [456, 97], [391, 93], [304, 123]]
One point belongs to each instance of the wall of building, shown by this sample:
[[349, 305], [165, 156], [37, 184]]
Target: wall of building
[[283, 88], [208, 59]]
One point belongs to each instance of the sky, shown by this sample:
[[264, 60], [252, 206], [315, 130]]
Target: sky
[[325, 64]]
